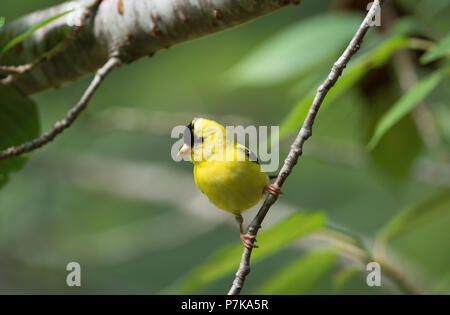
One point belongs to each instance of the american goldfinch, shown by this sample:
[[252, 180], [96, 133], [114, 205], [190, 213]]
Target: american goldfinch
[[227, 172]]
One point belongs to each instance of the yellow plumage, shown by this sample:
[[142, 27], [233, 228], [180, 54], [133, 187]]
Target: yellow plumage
[[223, 171]]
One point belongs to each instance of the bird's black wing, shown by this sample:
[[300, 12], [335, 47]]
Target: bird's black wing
[[251, 156]]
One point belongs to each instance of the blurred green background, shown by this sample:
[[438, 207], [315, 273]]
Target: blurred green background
[[107, 194]]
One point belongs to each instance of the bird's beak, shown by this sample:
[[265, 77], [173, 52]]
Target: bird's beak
[[185, 149]]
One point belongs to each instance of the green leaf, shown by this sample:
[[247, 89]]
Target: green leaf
[[30, 31], [296, 50], [301, 275], [19, 122], [404, 105], [2, 21], [276, 238], [403, 137], [440, 50], [418, 215], [351, 76]]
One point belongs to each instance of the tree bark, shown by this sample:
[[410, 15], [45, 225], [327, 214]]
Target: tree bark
[[127, 29]]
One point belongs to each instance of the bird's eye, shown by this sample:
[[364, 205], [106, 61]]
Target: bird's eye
[[198, 139]]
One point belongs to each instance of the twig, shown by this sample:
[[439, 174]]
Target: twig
[[61, 125], [303, 135]]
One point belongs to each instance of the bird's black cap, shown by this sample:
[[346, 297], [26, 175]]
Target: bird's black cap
[[189, 137]]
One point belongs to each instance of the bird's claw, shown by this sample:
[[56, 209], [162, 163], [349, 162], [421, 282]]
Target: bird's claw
[[246, 240], [273, 190]]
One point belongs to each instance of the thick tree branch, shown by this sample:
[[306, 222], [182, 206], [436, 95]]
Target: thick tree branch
[[15, 72], [63, 124], [134, 28], [74, 45], [303, 135]]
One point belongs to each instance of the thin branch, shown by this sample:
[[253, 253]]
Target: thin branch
[[63, 124], [136, 28], [303, 135]]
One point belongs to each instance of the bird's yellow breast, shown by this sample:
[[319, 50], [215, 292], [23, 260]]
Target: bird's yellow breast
[[223, 169], [233, 186]]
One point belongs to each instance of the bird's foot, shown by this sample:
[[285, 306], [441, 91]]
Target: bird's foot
[[273, 190], [246, 240]]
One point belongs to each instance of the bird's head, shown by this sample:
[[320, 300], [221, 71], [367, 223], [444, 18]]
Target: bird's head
[[201, 131]]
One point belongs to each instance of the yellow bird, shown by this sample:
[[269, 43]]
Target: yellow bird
[[227, 172]]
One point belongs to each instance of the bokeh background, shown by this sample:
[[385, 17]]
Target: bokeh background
[[108, 195]]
